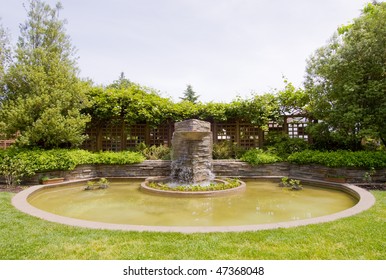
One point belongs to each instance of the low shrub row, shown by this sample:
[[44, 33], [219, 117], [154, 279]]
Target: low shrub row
[[17, 163], [360, 159], [227, 150]]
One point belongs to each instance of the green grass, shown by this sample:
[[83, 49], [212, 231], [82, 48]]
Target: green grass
[[359, 237]]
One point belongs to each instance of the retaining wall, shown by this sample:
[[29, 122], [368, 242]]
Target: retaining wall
[[243, 169], [342, 174]]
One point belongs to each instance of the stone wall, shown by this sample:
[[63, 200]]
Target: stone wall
[[345, 174], [148, 168], [242, 169], [151, 168]]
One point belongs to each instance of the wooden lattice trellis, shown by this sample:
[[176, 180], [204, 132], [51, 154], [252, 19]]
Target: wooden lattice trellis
[[249, 135], [4, 144], [161, 135], [116, 135], [296, 127], [135, 134], [224, 132]]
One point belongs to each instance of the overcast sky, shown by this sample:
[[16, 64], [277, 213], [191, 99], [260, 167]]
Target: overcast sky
[[223, 48]]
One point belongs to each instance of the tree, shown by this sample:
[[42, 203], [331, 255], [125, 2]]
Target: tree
[[259, 110], [43, 95], [346, 81], [292, 101], [121, 83], [5, 55], [4, 62], [190, 95], [133, 104]]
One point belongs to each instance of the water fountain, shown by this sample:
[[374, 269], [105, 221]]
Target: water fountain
[[181, 208], [192, 153], [191, 165]]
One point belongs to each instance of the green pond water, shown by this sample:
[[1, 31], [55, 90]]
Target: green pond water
[[122, 203]]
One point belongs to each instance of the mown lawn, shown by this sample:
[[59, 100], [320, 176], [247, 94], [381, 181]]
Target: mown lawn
[[360, 237]]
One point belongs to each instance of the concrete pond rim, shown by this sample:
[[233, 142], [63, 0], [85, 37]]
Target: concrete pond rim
[[365, 201]]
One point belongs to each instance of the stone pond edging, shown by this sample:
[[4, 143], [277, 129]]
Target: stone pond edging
[[312, 174], [366, 200]]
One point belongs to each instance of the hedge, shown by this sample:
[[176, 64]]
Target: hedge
[[360, 159], [18, 163]]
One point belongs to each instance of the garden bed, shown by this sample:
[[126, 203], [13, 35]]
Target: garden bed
[[372, 186], [16, 189]]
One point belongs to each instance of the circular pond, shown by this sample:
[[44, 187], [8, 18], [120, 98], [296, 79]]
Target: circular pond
[[123, 206]]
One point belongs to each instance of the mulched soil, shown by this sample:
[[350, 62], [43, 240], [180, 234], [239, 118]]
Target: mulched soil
[[373, 186], [17, 189]]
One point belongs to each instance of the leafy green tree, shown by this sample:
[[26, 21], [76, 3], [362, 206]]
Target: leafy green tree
[[346, 81], [5, 57], [214, 111], [292, 100], [43, 95], [258, 110], [190, 95], [134, 104], [185, 110]]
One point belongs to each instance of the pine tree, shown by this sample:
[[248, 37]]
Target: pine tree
[[43, 95], [121, 83], [190, 95]]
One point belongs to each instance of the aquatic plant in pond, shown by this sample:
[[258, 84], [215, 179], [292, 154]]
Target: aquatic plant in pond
[[262, 202], [292, 184], [212, 186], [191, 167], [103, 183]]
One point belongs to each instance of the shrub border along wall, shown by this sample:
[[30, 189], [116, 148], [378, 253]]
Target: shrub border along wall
[[230, 168], [16, 164]]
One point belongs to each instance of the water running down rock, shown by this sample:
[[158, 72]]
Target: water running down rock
[[192, 153]]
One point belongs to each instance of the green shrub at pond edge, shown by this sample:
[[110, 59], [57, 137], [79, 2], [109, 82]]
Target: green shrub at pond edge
[[360, 159], [282, 145], [154, 152], [258, 156], [17, 163], [125, 157], [227, 150]]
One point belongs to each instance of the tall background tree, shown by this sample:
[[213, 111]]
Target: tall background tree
[[43, 95], [346, 82], [5, 56], [190, 95], [121, 83]]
